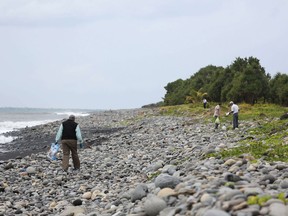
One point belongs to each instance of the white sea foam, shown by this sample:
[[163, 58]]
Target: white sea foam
[[8, 126], [4, 139], [72, 113], [17, 118]]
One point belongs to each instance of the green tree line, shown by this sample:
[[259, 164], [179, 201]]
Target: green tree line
[[245, 80]]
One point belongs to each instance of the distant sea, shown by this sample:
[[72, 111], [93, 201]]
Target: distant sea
[[16, 118]]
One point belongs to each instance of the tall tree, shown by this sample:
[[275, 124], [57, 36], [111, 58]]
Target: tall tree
[[175, 94], [204, 77], [250, 82], [245, 80], [279, 89], [214, 88]]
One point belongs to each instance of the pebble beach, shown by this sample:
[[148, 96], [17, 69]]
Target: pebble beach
[[139, 163]]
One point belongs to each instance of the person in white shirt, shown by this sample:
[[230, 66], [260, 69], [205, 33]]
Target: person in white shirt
[[234, 111], [217, 115], [204, 103]]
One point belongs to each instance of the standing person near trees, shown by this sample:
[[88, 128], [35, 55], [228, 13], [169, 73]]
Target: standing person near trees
[[69, 132], [217, 115], [204, 103], [234, 110]]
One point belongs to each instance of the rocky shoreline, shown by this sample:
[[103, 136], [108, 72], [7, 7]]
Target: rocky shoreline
[[140, 164]]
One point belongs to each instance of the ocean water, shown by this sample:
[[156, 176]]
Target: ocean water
[[16, 118]]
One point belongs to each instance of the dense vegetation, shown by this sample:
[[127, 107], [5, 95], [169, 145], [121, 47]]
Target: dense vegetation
[[244, 81]]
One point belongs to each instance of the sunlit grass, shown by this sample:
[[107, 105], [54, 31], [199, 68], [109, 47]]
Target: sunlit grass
[[268, 140], [247, 111]]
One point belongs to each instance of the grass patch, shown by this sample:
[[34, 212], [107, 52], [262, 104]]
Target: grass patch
[[153, 175], [260, 111], [270, 143], [247, 111], [262, 199], [269, 139]]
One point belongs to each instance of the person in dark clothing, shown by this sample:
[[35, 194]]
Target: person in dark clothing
[[69, 132]]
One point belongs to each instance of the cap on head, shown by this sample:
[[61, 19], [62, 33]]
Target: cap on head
[[231, 102], [72, 117]]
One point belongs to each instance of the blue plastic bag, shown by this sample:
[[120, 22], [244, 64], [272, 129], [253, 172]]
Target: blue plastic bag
[[53, 151]]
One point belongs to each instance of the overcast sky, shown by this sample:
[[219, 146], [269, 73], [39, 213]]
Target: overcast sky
[[116, 54]]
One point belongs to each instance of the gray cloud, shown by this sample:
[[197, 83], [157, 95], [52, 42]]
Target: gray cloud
[[121, 54]]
